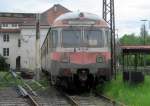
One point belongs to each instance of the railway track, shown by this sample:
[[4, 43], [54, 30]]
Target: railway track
[[91, 99], [9, 97], [77, 100], [55, 97], [49, 97]]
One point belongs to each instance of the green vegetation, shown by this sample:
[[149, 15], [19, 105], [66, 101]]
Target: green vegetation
[[132, 39], [131, 95], [36, 85], [7, 80], [39, 85], [3, 65]]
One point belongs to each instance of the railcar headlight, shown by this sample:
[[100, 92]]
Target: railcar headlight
[[99, 59]]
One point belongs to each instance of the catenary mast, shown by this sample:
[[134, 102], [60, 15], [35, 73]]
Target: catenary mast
[[109, 17]]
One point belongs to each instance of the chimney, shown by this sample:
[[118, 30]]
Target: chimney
[[55, 8]]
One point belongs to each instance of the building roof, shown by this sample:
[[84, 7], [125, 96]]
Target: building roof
[[15, 20], [136, 49], [25, 19], [48, 17], [17, 15], [19, 18], [10, 30]]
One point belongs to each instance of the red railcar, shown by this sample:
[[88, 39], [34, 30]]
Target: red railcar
[[76, 50]]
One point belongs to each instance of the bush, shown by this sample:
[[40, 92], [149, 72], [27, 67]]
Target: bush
[[3, 65]]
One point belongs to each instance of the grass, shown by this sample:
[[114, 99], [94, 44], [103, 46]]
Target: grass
[[43, 81], [131, 95], [7, 80]]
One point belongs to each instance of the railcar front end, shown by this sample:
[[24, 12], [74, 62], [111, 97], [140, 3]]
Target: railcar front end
[[78, 54]]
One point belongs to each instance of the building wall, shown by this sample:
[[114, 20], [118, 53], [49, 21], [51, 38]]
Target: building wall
[[28, 36], [12, 44], [27, 49], [26, 33]]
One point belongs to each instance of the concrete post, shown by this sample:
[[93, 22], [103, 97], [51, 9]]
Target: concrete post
[[37, 47]]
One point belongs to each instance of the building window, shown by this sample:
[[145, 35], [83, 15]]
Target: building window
[[6, 37], [14, 25], [19, 43], [5, 51], [4, 25]]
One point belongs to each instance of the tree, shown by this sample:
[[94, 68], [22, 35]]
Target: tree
[[130, 39]]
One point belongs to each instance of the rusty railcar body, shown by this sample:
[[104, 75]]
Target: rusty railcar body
[[76, 50]]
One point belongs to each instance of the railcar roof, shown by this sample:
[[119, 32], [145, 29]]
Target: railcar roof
[[80, 19], [76, 15]]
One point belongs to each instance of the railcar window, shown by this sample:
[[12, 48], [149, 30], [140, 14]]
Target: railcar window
[[71, 38], [107, 33], [54, 38], [47, 46], [94, 38]]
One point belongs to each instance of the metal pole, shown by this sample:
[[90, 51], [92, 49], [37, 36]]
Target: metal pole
[[37, 45], [144, 38], [144, 34], [144, 31]]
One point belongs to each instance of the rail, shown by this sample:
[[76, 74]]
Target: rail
[[23, 92], [100, 100], [115, 103], [70, 100]]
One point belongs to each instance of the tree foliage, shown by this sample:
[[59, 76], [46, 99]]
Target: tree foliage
[[132, 39]]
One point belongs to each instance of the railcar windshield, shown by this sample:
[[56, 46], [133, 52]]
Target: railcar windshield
[[94, 38], [71, 38]]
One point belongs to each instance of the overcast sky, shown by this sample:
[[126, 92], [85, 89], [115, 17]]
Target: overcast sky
[[128, 12]]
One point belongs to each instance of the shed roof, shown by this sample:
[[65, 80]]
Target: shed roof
[[136, 49]]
